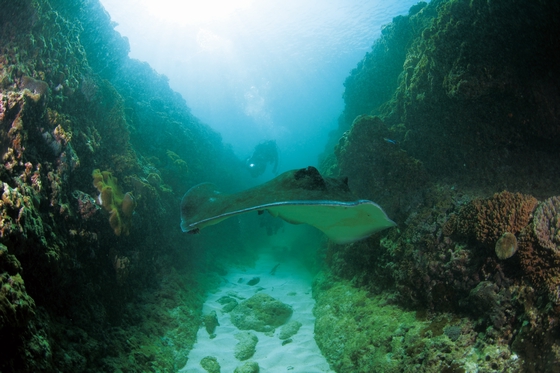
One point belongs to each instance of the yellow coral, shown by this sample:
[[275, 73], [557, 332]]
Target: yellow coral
[[120, 206]]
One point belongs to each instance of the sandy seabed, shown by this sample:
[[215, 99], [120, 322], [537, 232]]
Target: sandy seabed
[[291, 284]]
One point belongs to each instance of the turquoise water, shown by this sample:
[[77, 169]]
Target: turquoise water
[[273, 70]]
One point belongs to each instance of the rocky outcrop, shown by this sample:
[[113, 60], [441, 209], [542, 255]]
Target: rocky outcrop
[[261, 313]]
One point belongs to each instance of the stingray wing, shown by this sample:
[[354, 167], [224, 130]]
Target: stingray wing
[[298, 197], [342, 222]]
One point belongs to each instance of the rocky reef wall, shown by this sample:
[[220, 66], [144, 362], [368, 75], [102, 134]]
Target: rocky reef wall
[[93, 276], [451, 124], [470, 89]]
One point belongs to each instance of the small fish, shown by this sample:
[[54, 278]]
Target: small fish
[[273, 270], [394, 142]]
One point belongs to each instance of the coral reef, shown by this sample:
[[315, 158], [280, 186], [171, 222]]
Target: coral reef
[[120, 206], [465, 97], [376, 76], [363, 333], [474, 104], [378, 168], [474, 107], [546, 224], [16, 306], [177, 161], [443, 260], [71, 101], [488, 219], [497, 220], [539, 256]]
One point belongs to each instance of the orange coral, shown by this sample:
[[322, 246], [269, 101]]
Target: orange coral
[[541, 265], [546, 224], [488, 219], [120, 206]]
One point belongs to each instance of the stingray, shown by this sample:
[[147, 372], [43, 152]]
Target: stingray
[[298, 196]]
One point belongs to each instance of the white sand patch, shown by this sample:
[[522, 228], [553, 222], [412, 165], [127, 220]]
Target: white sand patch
[[290, 284]]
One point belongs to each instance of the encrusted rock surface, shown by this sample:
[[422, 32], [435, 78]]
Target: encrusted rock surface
[[210, 364], [246, 347], [248, 367], [210, 322], [261, 313], [289, 329], [546, 224]]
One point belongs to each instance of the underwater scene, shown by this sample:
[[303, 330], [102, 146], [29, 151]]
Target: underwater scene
[[280, 186]]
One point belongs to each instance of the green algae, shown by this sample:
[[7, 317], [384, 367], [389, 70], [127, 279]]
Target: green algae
[[16, 306], [358, 332], [361, 332]]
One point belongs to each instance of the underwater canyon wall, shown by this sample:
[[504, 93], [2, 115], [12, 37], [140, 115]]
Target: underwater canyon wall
[[97, 151], [452, 125]]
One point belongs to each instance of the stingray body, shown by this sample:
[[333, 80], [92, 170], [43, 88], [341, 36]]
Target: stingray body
[[298, 196]]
